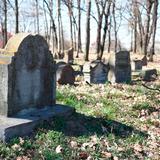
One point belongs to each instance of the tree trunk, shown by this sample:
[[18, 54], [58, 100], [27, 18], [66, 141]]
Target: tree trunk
[[100, 10], [59, 27], [4, 24], [17, 16], [115, 27], [109, 35], [105, 30], [135, 36], [145, 37], [46, 25], [155, 17], [62, 35], [54, 35], [70, 20], [37, 15], [79, 49], [86, 58], [98, 40]]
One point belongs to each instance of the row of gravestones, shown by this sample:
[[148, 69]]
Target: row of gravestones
[[118, 69]]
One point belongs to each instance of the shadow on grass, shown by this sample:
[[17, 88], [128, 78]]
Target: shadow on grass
[[82, 125]]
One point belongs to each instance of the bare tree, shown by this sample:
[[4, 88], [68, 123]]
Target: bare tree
[[79, 49], [155, 17], [109, 35], [17, 16], [86, 57], [53, 27], [107, 14], [37, 15], [59, 26], [100, 5], [4, 23]]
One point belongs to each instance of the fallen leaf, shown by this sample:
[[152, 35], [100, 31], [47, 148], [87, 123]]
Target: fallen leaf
[[74, 144], [115, 158], [21, 140], [59, 149], [138, 148], [23, 158], [106, 154], [83, 155], [16, 147]]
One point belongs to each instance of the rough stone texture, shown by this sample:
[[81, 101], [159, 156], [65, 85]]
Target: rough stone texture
[[70, 57], [149, 74], [24, 122], [29, 80], [136, 65], [95, 72], [120, 68], [67, 75]]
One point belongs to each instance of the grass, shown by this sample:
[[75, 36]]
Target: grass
[[105, 126]]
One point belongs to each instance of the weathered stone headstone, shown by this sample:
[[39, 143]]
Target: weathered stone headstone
[[66, 75], [28, 87], [70, 55], [120, 67], [95, 72], [136, 65], [149, 74], [28, 81]]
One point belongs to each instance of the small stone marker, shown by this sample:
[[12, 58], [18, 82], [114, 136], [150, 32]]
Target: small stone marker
[[120, 67], [65, 75], [149, 74], [95, 72], [28, 87], [136, 65]]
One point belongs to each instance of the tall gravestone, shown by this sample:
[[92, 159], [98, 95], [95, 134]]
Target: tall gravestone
[[28, 79], [120, 67], [28, 86]]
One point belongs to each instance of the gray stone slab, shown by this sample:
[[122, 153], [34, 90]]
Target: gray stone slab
[[24, 122]]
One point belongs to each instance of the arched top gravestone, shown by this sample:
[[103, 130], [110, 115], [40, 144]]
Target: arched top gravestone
[[28, 81]]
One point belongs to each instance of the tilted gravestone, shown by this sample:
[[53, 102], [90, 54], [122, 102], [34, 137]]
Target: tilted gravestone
[[65, 75], [120, 67], [149, 74], [95, 72], [28, 86], [27, 81]]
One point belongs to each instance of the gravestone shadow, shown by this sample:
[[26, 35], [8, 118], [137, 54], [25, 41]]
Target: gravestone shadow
[[81, 125]]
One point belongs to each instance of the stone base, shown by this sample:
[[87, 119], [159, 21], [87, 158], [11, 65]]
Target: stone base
[[24, 123]]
